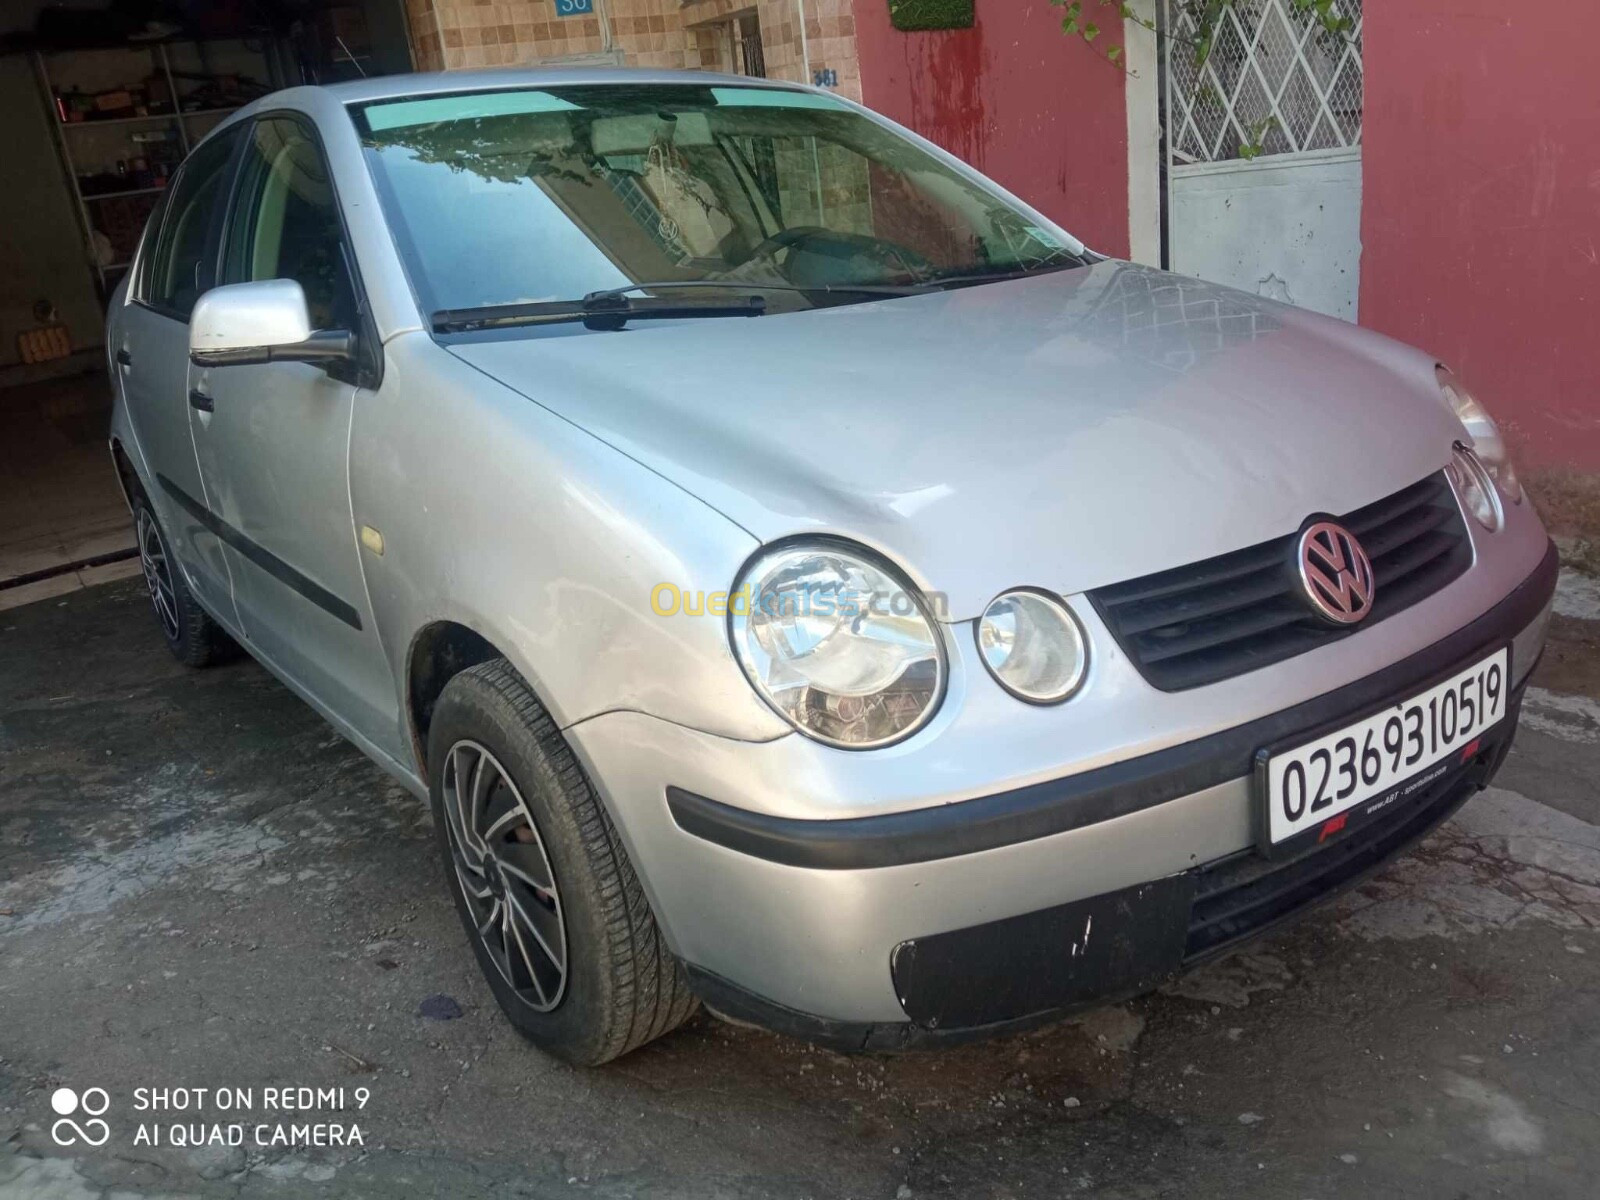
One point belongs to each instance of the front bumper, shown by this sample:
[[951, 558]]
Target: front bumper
[[963, 918], [1013, 974]]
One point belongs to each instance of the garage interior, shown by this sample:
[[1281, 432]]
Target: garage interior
[[98, 104]]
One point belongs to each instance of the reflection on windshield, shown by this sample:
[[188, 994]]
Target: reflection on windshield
[[550, 194]]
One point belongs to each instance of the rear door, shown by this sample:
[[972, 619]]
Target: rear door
[[273, 443], [152, 355]]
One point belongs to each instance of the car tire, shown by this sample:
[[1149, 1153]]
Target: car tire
[[538, 873], [193, 637]]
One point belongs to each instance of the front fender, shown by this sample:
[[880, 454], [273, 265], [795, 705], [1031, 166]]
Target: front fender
[[499, 515]]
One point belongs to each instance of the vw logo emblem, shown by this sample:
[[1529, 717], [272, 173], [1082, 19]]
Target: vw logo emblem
[[1335, 572]]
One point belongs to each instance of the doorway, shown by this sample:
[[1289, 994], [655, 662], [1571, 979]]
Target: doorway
[[733, 45], [1263, 149], [101, 106]]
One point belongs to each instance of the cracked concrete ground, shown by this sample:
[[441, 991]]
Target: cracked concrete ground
[[202, 886]]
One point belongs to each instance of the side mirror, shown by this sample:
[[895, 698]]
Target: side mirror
[[267, 321]]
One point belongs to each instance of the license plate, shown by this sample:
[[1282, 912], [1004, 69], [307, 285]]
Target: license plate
[[1373, 757]]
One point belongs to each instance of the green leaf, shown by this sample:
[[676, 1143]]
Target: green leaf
[[1091, 31], [1068, 25], [916, 15], [1114, 53]]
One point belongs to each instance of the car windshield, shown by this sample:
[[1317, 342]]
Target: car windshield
[[550, 194]]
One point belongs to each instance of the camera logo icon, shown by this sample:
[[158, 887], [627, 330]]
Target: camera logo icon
[[93, 1103]]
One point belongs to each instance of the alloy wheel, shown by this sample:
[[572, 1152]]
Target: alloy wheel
[[157, 569], [505, 875]]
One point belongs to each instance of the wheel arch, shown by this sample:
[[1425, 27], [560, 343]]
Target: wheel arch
[[438, 652], [127, 475]]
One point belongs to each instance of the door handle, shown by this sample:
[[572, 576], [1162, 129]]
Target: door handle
[[124, 359], [198, 399]]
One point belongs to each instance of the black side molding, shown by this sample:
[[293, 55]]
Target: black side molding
[[1089, 797], [262, 557]]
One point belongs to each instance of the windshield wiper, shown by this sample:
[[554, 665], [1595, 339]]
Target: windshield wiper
[[945, 282], [743, 285], [611, 308], [596, 310]]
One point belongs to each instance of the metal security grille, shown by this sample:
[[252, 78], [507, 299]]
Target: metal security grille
[[1275, 82], [749, 57]]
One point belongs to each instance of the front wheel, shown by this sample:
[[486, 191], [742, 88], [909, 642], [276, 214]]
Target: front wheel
[[193, 637], [545, 891]]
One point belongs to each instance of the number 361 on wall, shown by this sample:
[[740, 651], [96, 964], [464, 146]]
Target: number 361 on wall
[[574, 8]]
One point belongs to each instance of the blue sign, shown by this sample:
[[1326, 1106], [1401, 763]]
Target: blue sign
[[574, 8], [825, 78]]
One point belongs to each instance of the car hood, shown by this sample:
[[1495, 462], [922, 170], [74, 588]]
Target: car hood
[[1065, 431]]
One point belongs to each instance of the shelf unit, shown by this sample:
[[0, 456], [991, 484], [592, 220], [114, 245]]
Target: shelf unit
[[66, 133], [90, 197]]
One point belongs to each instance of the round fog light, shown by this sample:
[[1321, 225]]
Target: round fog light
[[1033, 646], [1476, 489]]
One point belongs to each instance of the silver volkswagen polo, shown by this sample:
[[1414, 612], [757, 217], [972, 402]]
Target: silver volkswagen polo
[[803, 577]]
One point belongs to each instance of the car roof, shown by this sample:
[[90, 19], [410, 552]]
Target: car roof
[[432, 83], [497, 78]]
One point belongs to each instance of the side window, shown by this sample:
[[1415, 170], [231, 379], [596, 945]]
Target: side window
[[285, 223], [180, 268], [139, 285]]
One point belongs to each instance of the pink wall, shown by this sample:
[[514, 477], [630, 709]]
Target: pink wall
[[1038, 111], [1481, 208]]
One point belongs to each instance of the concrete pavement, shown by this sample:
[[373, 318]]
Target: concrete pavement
[[201, 885]]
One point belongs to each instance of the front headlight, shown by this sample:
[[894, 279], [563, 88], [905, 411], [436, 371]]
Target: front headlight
[[1476, 488], [1032, 646], [838, 642], [1487, 443]]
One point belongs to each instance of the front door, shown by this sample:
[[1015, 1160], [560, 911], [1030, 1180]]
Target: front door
[[1263, 148], [273, 445]]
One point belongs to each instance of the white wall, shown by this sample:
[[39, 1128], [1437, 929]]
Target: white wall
[[1144, 136]]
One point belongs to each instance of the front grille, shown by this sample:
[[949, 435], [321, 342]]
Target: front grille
[[1239, 612]]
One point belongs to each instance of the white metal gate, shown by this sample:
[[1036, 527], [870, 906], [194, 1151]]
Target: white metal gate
[[1263, 145]]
